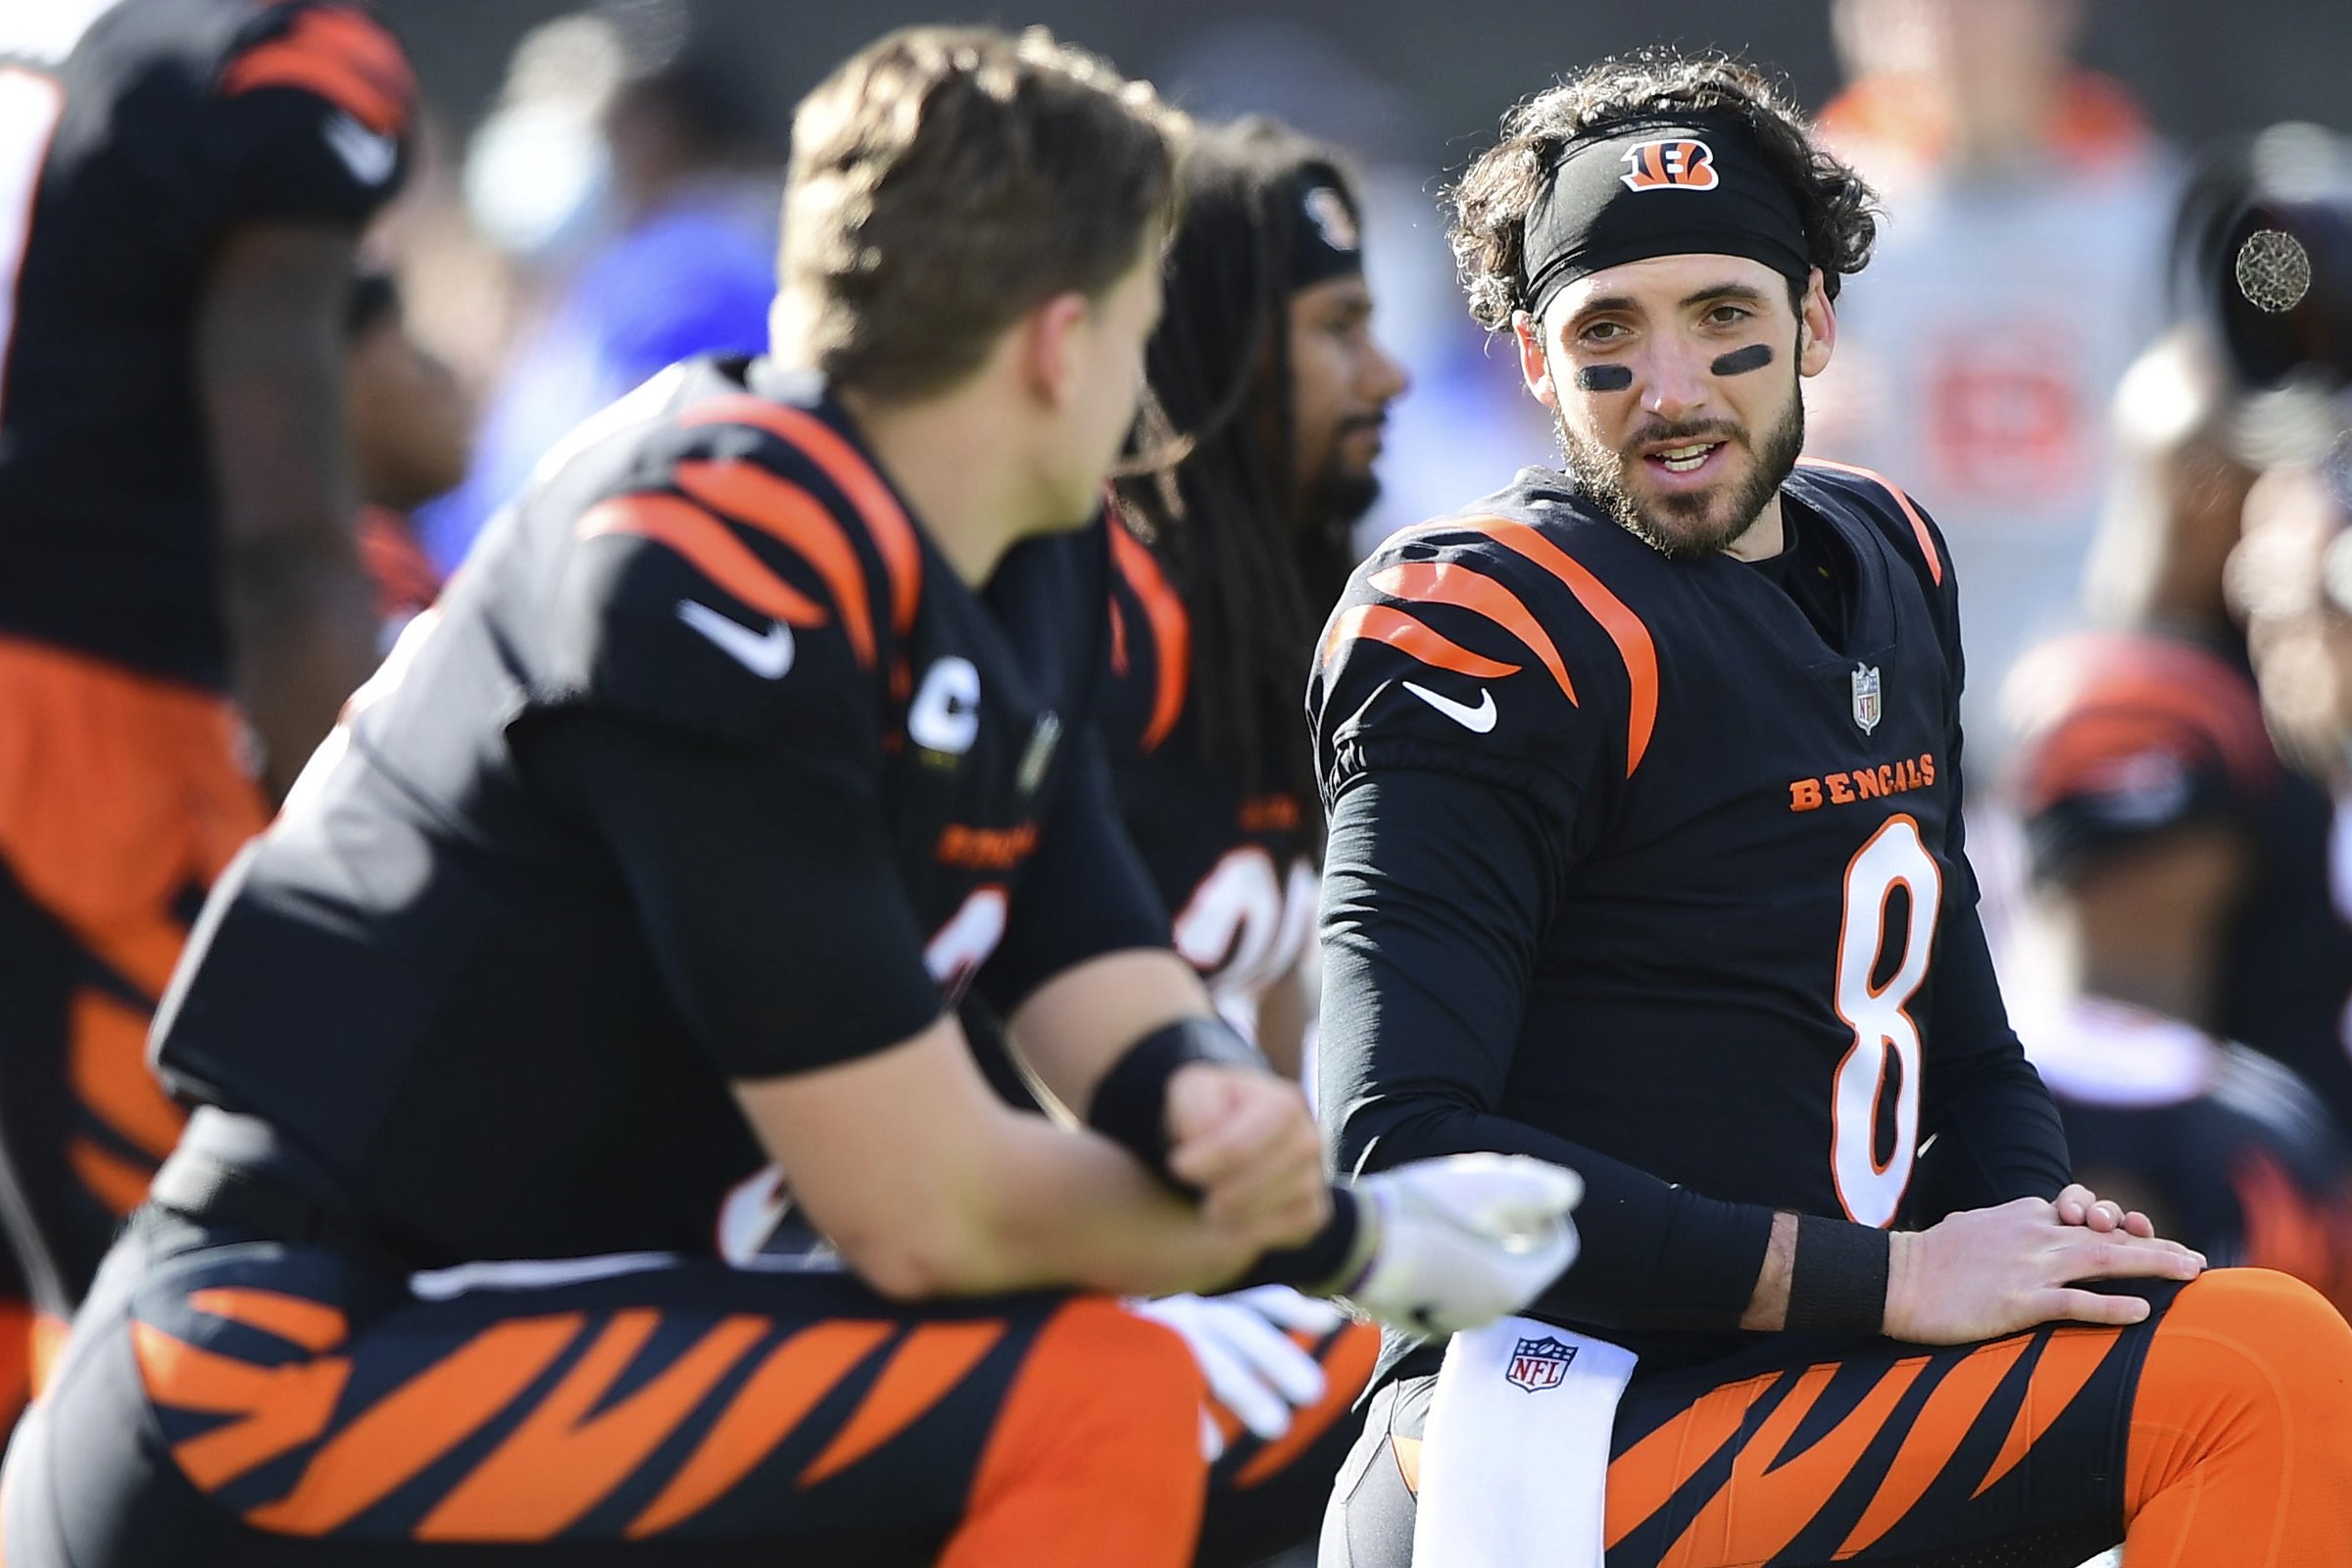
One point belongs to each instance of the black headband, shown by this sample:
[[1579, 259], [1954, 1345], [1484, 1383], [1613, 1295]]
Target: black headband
[[1325, 241], [1694, 184]]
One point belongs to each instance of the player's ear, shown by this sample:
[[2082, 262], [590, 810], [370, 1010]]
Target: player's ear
[[1052, 339], [1816, 328], [1534, 365]]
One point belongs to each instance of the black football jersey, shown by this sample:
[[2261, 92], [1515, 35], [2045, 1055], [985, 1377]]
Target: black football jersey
[[134, 135], [1654, 875], [1231, 857], [505, 1008], [2125, 736]]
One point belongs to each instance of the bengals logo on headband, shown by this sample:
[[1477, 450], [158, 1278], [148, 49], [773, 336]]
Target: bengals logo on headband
[[1677, 164]]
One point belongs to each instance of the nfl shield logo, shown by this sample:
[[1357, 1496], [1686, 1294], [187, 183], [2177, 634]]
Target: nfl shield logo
[[1540, 1364], [1866, 697]]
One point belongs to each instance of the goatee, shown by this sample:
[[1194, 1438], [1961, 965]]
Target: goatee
[[1598, 472]]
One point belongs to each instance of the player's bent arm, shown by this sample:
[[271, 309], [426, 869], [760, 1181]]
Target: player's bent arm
[[794, 955], [1234, 1132], [931, 1186], [1434, 898], [269, 365]]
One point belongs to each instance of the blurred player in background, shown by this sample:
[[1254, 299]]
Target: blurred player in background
[[2020, 270], [412, 429], [2181, 906], [659, 244], [183, 184], [1266, 371], [1645, 854], [658, 855]]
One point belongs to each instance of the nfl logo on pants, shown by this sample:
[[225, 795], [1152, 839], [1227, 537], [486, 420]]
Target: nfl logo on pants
[[1540, 1364]]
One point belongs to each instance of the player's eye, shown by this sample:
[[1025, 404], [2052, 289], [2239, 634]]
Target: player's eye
[[1602, 332], [1726, 316]]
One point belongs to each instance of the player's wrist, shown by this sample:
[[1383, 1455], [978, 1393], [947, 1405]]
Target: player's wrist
[[1837, 1277], [1130, 1105], [1332, 1260]]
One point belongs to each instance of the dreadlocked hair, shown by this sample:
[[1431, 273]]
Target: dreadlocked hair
[[1222, 502], [1491, 204]]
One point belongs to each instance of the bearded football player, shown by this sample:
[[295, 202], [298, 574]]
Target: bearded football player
[[1645, 855]]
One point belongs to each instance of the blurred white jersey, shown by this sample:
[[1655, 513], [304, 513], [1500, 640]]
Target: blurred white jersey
[[1979, 352]]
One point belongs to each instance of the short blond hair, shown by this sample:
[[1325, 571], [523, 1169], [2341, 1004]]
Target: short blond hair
[[946, 180]]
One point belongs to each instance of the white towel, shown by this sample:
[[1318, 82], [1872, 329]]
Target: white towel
[[1515, 1454]]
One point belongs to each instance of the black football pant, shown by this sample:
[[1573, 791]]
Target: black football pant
[[2217, 1432], [226, 1401]]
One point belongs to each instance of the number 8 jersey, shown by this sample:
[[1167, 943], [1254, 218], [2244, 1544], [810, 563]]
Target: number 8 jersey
[[1654, 866]]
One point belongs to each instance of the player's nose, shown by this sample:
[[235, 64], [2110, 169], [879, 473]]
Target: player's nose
[[1674, 381]]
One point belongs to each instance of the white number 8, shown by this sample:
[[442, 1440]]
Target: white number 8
[[1884, 1032]]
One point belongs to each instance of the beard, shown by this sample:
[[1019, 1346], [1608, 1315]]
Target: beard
[[1687, 525], [1336, 494], [1337, 497]]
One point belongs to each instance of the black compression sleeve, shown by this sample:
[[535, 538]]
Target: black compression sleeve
[[1435, 895], [764, 888]]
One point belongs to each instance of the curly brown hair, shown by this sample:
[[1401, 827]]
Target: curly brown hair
[[1492, 201]]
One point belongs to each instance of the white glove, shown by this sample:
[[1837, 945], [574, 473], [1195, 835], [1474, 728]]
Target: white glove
[[1463, 1240], [1254, 1369]]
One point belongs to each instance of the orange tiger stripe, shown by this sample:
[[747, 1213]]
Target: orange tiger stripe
[[1919, 524], [2066, 1364], [774, 1399], [1765, 1503], [416, 1423], [1645, 1477], [930, 1363], [1451, 583], [572, 1450], [1634, 648], [791, 515], [313, 1325], [113, 1181], [1347, 1368], [877, 507], [282, 1407], [707, 542], [1171, 630], [1386, 624], [108, 1063], [1944, 1424], [340, 56]]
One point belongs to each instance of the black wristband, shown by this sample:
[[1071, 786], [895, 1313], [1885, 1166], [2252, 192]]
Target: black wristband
[[1837, 1279], [1317, 1265], [1131, 1104]]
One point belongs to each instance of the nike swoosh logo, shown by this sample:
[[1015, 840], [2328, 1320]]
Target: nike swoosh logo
[[368, 155], [1478, 720], [768, 654]]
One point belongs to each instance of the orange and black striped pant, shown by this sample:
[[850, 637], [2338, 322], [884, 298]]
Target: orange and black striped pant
[[2218, 1432], [230, 1401], [120, 801]]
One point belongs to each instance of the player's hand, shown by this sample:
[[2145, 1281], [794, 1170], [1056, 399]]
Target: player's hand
[[1254, 1369], [1464, 1239], [1995, 1271], [2078, 1205], [1244, 1140]]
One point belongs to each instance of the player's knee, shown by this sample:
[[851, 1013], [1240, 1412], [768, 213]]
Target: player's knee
[[1126, 1373], [2270, 1308], [2284, 1335]]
